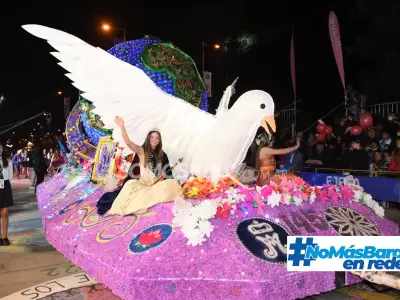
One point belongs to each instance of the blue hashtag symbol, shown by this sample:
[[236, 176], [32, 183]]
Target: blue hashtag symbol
[[299, 252]]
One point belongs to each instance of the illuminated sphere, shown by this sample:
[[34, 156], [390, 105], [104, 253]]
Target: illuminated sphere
[[171, 70]]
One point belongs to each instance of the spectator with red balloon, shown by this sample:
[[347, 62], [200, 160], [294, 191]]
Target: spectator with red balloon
[[366, 121], [356, 130]]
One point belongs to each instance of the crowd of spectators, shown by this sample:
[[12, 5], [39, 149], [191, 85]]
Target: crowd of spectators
[[376, 149]]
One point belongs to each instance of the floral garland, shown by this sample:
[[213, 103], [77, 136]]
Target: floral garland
[[201, 188], [243, 200]]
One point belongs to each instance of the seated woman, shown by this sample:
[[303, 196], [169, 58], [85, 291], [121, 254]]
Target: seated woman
[[137, 195], [105, 202], [267, 166]]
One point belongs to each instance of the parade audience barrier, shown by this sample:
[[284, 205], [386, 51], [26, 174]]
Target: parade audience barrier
[[384, 109], [381, 188]]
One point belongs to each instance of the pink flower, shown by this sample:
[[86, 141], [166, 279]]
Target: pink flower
[[298, 181], [333, 195], [259, 205], [305, 196], [347, 193], [245, 192], [297, 194], [266, 191], [321, 194]]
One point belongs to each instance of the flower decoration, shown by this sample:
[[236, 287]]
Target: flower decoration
[[149, 238], [228, 197], [193, 220], [201, 188], [223, 210]]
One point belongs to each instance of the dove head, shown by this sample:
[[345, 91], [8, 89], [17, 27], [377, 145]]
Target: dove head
[[257, 105]]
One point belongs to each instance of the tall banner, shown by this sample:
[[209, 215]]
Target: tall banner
[[334, 33], [293, 66], [207, 82], [67, 109]]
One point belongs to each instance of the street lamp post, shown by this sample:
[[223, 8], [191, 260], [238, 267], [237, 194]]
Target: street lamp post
[[216, 46], [107, 27]]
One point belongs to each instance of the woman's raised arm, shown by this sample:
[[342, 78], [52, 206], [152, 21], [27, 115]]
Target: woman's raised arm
[[270, 151], [135, 148]]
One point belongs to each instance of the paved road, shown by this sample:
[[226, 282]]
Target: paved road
[[30, 259]]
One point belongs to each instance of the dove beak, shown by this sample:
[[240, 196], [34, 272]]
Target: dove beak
[[269, 120]]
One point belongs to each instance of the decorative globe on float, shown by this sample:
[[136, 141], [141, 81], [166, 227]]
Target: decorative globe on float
[[171, 70]]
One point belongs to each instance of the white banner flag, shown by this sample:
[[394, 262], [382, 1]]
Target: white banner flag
[[207, 82]]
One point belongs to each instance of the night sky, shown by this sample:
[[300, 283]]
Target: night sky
[[30, 76]]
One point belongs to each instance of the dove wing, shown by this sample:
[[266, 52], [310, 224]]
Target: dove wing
[[118, 88], [224, 103]]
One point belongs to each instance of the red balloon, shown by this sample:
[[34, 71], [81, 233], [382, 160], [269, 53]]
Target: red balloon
[[328, 129], [321, 137], [321, 128], [366, 121], [356, 130]]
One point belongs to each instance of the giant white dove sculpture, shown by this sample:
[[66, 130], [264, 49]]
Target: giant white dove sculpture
[[211, 145]]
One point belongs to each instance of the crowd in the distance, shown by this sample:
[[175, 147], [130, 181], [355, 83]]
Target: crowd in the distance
[[26, 160], [376, 148]]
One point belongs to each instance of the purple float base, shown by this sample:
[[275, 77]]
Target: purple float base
[[220, 269]]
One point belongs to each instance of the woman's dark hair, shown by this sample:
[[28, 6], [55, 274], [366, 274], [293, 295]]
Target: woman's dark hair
[[4, 156], [158, 153]]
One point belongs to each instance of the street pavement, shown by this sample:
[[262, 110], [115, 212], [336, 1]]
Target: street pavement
[[30, 259]]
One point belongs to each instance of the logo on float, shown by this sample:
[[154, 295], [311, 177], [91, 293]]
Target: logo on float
[[343, 253]]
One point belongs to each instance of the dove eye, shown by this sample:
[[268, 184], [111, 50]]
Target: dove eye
[[262, 106]]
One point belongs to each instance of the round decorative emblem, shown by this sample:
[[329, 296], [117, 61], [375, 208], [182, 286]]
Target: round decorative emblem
[[348, 222], [71, 206], [150, 237], [264, 239]]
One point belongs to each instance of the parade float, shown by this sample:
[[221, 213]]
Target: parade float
[[207, 244]]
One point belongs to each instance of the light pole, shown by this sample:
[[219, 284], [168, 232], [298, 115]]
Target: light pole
[[107, 27], [203, 45], [2, 100]]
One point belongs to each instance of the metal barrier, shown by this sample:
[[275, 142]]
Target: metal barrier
[[384, 109], [286, 116], [370, 173]]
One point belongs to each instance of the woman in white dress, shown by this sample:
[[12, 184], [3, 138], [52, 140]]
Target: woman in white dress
[[137, 195]]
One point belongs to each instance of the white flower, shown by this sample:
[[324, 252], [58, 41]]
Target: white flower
[[205, 210], [181, 207], [380, 211], [357, 196], [374, 205], [367, 197], [313, 196], [194, 236], [297, 200], [287, 198], [274, 199], [205, 228]]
